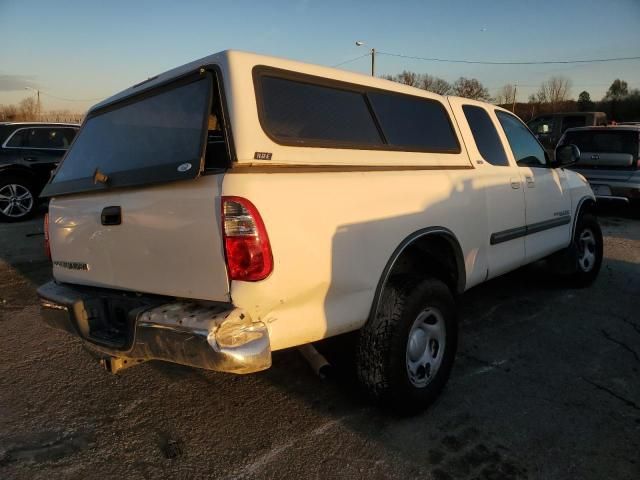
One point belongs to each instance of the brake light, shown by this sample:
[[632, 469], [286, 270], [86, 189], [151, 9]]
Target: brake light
[[47, 245], [246, 244]]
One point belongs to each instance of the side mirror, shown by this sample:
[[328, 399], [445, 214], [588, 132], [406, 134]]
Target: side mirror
[[567, 155]]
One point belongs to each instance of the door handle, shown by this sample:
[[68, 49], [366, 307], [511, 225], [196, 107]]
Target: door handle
[[515, 183], [30, 159], [111, 215], [530, 181]]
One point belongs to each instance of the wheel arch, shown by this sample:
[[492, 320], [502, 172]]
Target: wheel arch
[[586, 204], [19, 170], [416, 242]]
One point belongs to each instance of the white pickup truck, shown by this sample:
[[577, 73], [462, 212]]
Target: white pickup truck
[[242, 204]]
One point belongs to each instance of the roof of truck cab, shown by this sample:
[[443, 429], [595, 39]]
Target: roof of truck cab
[[632, 128], [564, 114], [235, 59]]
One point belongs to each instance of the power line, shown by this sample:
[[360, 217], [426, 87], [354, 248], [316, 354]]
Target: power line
[[352, 60], [484, 62]]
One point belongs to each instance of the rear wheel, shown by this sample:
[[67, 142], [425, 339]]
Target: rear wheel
[[405, 354], [17, 199]]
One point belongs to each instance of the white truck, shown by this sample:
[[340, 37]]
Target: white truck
[[242, 204]]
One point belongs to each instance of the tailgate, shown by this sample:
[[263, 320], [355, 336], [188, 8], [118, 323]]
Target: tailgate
[[169, 240]]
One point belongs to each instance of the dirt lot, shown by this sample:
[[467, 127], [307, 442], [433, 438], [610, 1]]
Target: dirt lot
[[546, 386]]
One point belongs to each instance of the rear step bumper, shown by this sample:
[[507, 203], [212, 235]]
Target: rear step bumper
[[216, 337]]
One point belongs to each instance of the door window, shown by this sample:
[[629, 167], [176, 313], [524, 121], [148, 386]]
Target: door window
[[526, 149], [18, 139], [542, 125], [47, 138], [485, 135]]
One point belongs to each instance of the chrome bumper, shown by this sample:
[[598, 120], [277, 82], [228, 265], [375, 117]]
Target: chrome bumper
[[216, 337]]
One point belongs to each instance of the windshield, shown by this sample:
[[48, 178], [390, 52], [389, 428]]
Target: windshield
[[157, 138]]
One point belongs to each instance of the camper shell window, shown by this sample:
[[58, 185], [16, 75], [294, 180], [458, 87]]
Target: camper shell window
[[158, 136]]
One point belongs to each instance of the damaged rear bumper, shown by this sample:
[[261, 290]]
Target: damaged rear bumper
[[127, 329]]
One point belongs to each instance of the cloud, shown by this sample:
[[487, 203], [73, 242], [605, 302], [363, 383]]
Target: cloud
[[11, 83]]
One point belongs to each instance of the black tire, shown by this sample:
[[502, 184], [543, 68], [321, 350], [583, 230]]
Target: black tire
[[13, 188], [586, 263], [383, 349]]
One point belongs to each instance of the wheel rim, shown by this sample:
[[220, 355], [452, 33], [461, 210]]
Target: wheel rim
[[15, 200], [586, 250], [425, 346]]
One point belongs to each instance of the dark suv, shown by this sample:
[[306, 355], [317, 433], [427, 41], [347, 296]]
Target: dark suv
[[28, 154]]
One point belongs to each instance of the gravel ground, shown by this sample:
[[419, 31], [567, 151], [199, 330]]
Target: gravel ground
[[546, 386]]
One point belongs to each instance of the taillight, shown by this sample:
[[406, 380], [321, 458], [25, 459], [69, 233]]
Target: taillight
[[246, 243], [47, 245]]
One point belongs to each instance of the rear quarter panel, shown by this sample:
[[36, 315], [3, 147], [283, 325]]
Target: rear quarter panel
[[332, 234]]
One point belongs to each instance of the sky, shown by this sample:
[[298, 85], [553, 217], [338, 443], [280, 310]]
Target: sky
[[79, 52]]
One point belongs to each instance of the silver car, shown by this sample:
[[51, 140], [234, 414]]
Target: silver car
[[609, 159]]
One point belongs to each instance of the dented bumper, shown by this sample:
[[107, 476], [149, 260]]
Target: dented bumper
[[127, 329]]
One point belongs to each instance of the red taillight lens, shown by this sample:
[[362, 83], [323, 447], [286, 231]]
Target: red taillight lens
[[47, 245], [246, 243]]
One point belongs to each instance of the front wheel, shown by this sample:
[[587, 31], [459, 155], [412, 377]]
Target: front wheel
[[405, 354], [17, 199], [587, 250]]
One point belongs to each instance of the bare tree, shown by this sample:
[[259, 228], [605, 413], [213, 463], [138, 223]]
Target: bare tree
[[506, 95], [8, 113], [423, 81], [554, 91], [434, 84], [409, 78], [28, 109], [470, 88]]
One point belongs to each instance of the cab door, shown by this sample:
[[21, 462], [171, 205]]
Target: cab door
[[500, 180], [547, 198]]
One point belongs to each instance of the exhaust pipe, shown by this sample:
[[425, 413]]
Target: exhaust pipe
[[316, 360]]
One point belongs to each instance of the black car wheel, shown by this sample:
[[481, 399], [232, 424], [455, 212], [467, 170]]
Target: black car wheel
[[406, 351], [17, 199]]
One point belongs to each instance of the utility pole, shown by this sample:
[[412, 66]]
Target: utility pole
[[373, 62], [373, 58], [515, 92], [37, 100]]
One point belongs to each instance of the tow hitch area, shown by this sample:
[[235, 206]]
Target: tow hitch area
[[213, 336], [115, 364]]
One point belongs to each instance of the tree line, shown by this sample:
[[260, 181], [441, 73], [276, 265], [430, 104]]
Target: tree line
[[554, 95], [462, 87], [29, 110], [620, 103]]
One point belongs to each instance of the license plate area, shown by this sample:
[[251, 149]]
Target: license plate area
[[109, 321]]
